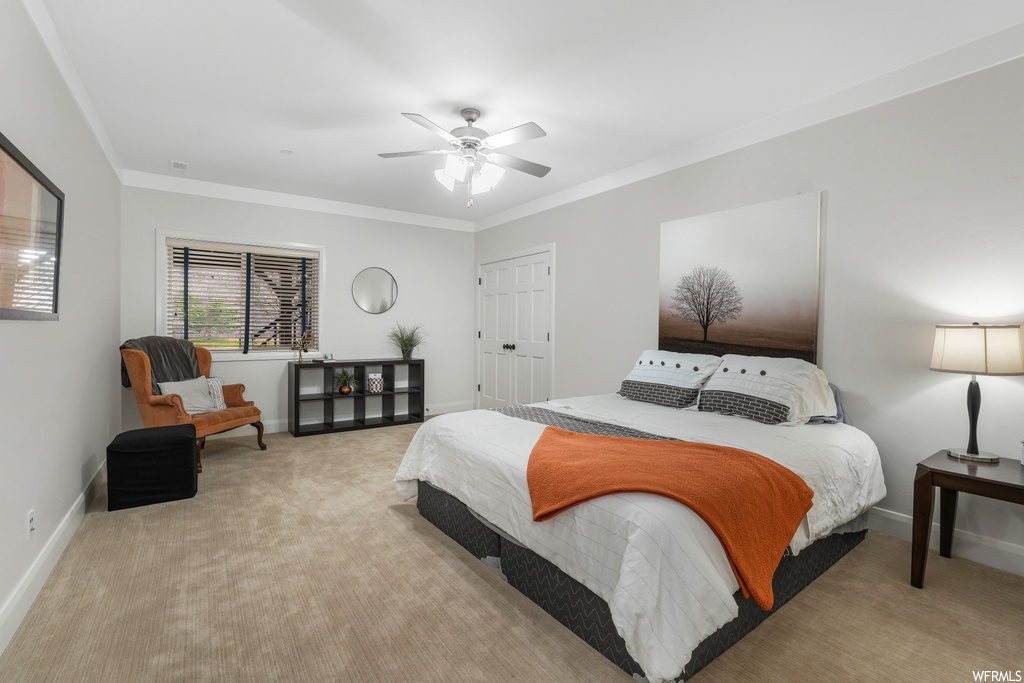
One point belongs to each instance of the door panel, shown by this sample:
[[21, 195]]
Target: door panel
[[500, 384], [524, 317], [539, 314], [523, 378], [541, 380]]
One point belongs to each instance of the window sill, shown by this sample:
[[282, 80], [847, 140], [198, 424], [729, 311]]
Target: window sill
[[262, 355]]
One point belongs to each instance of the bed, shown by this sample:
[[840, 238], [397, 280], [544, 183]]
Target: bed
[[641, 577]]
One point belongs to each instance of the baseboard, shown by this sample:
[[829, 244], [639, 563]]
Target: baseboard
[[14, 610], [1007, 557], [451, 407], [272, 426]]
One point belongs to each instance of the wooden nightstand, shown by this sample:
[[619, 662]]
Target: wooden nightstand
[[1003, 480]]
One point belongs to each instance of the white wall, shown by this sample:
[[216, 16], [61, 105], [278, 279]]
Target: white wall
[[433, 268], [924, 224], [59, 408]]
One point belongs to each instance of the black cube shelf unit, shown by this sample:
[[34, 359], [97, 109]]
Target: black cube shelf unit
[[316, 407]]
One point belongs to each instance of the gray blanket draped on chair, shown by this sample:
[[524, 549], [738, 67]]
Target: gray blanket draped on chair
[[170, 359]]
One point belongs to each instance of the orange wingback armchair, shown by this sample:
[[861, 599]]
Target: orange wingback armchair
[[159, 410]]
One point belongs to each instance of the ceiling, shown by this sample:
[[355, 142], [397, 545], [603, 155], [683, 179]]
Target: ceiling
[[225, 86]]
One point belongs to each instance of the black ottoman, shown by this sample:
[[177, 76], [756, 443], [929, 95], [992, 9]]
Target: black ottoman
[[153, 465]]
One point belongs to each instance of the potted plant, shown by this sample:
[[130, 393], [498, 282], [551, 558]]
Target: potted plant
[[345, 381], [406, 338]]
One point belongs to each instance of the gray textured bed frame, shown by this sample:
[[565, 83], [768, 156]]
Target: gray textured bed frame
[[588, 616]]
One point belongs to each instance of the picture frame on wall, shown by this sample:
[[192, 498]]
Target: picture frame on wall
[[743, 280], [31, 234]]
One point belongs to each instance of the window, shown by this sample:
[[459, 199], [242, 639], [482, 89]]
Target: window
[[233, 297]]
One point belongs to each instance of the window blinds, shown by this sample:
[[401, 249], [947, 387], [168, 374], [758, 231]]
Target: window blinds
[[28, 259], [242, 298], [29, 240]]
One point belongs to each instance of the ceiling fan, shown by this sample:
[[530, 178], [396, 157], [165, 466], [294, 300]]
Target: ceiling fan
[[471, 159]]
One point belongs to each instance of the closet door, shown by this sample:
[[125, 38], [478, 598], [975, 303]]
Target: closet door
[[515, 335]]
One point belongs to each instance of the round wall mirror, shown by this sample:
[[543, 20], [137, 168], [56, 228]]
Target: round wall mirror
[[375, 290]]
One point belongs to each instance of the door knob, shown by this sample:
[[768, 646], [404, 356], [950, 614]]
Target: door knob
[[512, 347]]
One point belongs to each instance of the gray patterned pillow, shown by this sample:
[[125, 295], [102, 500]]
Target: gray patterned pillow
[[753, 407], [768, 390], [668, 378]]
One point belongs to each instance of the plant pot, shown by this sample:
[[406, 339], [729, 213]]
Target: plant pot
[[406, 354], [345, 390]]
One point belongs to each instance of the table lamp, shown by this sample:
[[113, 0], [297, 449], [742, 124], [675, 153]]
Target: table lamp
[[977, 350]]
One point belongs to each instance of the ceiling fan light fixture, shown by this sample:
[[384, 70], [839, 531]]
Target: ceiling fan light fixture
[[455, 167], [448, 183], [469, 161], [487, 177]]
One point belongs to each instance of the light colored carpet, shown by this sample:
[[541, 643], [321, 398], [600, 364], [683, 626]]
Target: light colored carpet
[[301, 563]]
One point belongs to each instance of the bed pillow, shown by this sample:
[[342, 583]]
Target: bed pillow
[[217, 393], [839, 417], [768, 390], [668, 378], [195, 394]]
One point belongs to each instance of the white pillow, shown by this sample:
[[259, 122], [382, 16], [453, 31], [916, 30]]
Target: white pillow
[[668, 378], [768, 390], [195, 394]]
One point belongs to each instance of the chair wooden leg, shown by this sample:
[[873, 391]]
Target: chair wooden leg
[[199, 454], [259, 435]]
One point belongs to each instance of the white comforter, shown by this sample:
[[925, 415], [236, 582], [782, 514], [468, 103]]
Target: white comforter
[[658, 565]]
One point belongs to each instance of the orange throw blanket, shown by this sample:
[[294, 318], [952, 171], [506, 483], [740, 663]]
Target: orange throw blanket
[[753, 504]]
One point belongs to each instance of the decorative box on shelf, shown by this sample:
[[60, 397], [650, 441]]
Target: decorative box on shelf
[[388, 391]]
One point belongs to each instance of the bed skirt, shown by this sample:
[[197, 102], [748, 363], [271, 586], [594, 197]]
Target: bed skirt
[[587, 615]]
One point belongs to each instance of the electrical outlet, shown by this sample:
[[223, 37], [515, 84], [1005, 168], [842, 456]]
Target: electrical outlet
[[30, 524]]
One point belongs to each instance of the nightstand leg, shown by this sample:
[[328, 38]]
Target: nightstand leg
[[947, 519], [924, 505]]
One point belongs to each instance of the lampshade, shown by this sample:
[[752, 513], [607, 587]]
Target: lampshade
[[455, 167], [445, 180], [978, 349], [487, 178]]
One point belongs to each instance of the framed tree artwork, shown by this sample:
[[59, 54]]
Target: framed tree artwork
[[743, 281], [31, 227]]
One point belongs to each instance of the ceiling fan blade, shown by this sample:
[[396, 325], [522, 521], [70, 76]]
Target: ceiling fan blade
[[527, 131], [431, 126], [517, 164], [392, 155]]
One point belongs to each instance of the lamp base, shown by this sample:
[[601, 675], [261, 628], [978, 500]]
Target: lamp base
[[962, 454]]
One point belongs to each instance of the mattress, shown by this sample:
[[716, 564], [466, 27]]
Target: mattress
[[657, 565]]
